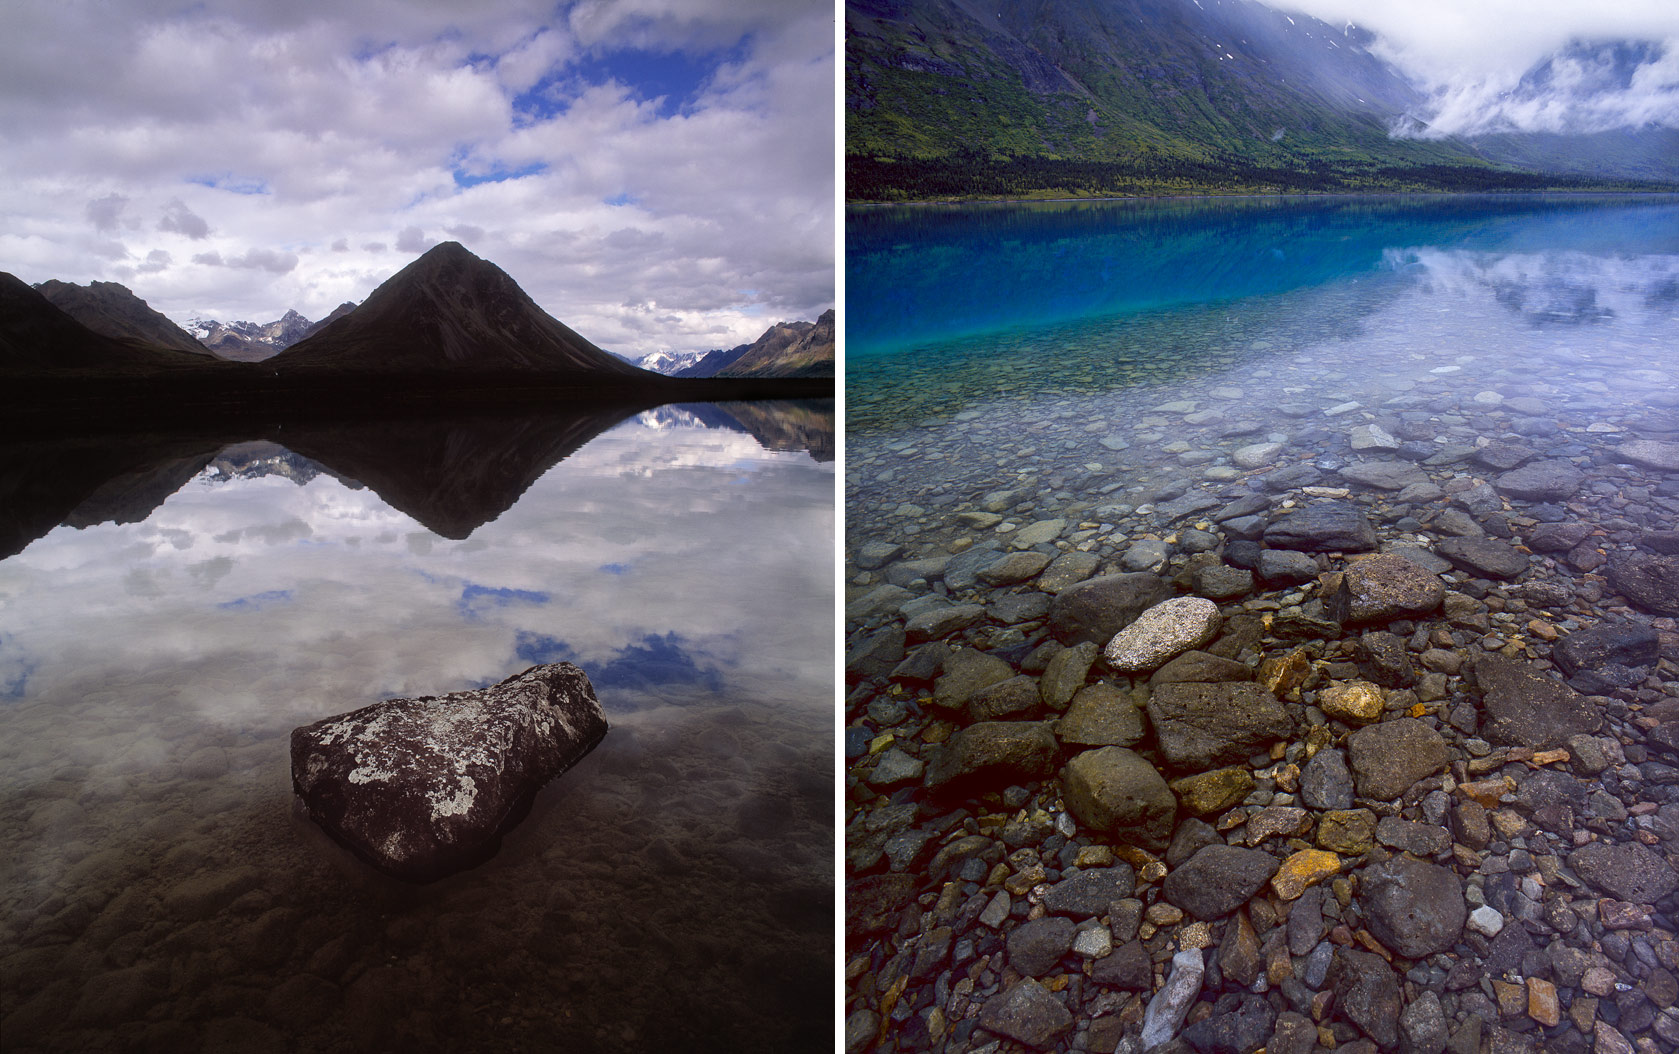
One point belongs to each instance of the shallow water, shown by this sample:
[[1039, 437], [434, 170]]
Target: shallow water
[[1030, 348], [674, 888]]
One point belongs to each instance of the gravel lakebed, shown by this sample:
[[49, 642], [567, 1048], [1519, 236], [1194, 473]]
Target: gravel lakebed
[[1251, 712]]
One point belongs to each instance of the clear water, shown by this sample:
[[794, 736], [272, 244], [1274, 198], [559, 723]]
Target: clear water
[[205, 596], [1030, 346]]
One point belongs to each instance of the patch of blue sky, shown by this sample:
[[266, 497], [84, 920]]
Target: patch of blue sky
[[233, 184], [539, 648], [497, 172], [615, 569], [257, 601], [476, 600], [652, 661], [623, 198], [15, 669], [674, 78]]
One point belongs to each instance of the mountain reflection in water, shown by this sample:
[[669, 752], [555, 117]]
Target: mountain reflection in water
[[207, 593], [451, 475]]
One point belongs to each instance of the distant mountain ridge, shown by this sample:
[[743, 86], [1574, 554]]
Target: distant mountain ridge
[[1161, 92], [253, 341], [786, 349], [112, 310], [449, 330]]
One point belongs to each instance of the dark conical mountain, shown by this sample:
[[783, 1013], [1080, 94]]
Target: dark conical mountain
[[114, 311], [449, 312]]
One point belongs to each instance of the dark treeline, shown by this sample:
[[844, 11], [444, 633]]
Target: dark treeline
[[872, 178]]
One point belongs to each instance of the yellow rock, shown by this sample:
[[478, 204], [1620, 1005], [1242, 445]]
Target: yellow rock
[[1355, 702], [1283, 674], [1195, 935], [881, 742], [1095, 856], [1542, 1004], [1302, 870]]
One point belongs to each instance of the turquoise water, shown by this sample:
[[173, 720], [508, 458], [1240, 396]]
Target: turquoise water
[[918, 275]]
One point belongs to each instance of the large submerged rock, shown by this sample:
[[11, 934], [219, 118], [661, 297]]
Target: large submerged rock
[[422, 788]]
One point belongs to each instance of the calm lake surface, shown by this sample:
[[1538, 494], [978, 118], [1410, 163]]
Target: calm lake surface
[[1006, 346], [171, 607]]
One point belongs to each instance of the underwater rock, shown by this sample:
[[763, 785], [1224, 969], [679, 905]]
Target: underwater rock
[[422, 788]]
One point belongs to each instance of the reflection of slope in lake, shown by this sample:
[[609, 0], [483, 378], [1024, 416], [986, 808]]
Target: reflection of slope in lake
[[672, 891], [453, 476]]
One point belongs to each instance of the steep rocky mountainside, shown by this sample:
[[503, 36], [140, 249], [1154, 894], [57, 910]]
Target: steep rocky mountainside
[[799, 349], [112, 310]]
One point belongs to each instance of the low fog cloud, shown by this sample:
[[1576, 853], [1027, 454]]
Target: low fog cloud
[[1470, 59]]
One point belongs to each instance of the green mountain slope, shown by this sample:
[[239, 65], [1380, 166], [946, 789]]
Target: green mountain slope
[[1012, 96]]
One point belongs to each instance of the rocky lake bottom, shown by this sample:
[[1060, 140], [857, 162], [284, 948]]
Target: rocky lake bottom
[[1388, 758]]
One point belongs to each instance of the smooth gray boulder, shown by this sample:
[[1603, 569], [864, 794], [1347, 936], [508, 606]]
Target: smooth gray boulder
[[992, 752], [1218, 879], [1323, 528], [1541, 481], [423, 788], [1650, 582], [1384, 588], [1387, 758], [1026, 1012], [1525, 708], [1206, 726], [1412, 906], [1116, 792], [1097, 608]]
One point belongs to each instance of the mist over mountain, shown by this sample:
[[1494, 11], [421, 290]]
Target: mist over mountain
[[1594, 108], [1016, 95]]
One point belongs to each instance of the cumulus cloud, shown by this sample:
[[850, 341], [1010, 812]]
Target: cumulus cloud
[[253, 259], [104, 212], [156, 260], [412, 240], [182, 220], [318, 129]]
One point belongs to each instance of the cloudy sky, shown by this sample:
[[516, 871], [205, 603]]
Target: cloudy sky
[[1468, 52], [658, 174]]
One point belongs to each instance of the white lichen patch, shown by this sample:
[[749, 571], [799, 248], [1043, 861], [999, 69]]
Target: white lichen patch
[[456, 804]]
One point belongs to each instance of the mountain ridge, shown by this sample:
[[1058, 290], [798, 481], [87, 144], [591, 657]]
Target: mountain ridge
[[449, 312], [113, 310], [1015, 97]]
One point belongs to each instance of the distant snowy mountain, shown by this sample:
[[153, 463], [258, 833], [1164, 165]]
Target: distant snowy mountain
[[786, 349], [255, 341], [670, 415], [670, 362]]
